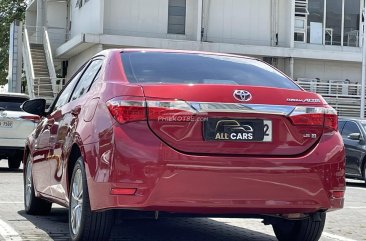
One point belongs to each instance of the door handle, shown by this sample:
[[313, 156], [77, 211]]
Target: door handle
[[76, 110]]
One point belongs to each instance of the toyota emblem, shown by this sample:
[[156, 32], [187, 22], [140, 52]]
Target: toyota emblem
[[242, 95]]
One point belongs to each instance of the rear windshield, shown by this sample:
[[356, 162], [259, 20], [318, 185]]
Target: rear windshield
[[11, 103], [184, 68]]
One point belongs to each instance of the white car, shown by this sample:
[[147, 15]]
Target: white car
[[15, 126]]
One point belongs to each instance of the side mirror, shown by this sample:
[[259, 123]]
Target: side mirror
[[355, 136], [35, 107]]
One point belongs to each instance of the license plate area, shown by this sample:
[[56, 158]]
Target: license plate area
[[237, 130], [6, 124]]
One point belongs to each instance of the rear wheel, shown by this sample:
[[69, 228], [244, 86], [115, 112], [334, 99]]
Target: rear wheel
[[32, 204], [15, 160], [309, 229], [83, 223]]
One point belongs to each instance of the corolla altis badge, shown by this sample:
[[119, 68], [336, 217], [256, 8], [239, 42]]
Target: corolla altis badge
[[304, 100], [242, 95]]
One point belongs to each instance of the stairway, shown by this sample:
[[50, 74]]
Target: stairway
[[42, 82]]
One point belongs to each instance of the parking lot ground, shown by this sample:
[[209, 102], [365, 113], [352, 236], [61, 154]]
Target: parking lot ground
[[344, 225]]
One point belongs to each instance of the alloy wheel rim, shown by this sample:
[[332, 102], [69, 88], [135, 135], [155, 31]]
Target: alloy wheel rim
[[76, 202], [28, 183]]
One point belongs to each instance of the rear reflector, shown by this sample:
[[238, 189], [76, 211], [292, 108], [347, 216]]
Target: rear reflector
[[337, 194], [315, 116], [123, 191], [33, 118]]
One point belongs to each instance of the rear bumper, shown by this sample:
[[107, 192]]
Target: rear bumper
[[12, 143], [167, 180], [11, 147]]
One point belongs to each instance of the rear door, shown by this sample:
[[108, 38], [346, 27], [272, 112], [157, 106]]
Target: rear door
[[66, 119], [354, 148]]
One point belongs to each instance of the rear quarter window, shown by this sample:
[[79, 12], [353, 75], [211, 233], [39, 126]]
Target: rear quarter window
[[185, 68], [11, 103]]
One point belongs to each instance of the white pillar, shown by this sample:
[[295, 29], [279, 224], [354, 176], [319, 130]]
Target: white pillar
[[199, 19], [363, 73], [40, 21], [15, 58], [292, 24], [292, 62]]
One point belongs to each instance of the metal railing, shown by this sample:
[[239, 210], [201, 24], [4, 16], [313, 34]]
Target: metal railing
[[49, 59], [39, 35], [44, 88], [343, 96]]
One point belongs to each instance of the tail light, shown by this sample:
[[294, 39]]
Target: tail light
[[130, 109], [315, 116], [33, 118], [127, 109]]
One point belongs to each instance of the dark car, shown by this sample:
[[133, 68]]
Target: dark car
[[185, 133], [354, 137]]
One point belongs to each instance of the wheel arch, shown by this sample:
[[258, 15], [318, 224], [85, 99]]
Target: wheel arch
[[75, 153], [363, 165]]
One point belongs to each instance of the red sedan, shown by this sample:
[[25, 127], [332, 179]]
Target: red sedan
[[185, 133]]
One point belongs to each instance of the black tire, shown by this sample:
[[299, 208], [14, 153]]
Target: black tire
[[32, 204], [14, 162], [94, 226], [309, 229]]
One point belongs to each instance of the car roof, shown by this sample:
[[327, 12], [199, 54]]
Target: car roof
[[357, 119], [151, 50], [9, 94]]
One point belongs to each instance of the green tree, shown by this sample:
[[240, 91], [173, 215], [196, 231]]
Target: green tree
[[10, 10]]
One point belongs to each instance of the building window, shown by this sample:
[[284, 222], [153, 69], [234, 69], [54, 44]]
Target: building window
[[301, 16], [315, 22], [351, 23], [333, 23], [328, 22], [177, 17]]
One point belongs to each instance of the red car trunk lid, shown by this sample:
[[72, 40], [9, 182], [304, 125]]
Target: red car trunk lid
[[201, 119]]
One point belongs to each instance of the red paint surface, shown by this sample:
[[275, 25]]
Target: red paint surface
[[170, 165]]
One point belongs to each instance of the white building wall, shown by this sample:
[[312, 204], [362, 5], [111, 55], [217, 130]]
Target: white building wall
[[30, 18], [78, 60], [284, 26], [56, 22], [88, 18], [145, 18], [327, 70], [56, 14], [239, 21], [136, 17], [191, 20]]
